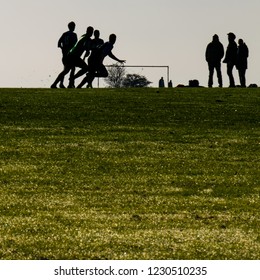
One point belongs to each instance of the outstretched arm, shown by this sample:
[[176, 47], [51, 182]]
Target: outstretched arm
[[115, 58]]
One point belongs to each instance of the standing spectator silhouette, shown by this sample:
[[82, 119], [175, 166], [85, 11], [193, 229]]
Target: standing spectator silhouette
[[161, 82], [95, 61], [214, 54], [74, 59], [231, 57], [66, 43], [241, 65]]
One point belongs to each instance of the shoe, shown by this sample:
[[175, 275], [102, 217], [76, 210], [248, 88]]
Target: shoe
[[53, 86]]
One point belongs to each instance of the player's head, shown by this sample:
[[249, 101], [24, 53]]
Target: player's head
[[112, 38], [96, 33], [90, 31], [72, 26]]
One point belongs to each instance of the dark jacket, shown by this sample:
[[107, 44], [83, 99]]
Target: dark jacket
[[231, 53], [214, 52], [242, 55]]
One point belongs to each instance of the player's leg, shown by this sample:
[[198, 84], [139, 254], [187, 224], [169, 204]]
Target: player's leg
[[84, 68], [68, 64], [60, 77]]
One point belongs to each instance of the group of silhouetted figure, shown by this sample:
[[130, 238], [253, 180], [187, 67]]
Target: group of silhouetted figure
[[95, 49], [236, 56]]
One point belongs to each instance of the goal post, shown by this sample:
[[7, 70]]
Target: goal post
[[167, 69]]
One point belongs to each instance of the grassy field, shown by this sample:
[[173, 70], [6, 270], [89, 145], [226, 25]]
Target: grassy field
[[130, 174]]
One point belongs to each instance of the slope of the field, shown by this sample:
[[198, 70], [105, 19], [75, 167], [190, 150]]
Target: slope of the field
[[130, 174]]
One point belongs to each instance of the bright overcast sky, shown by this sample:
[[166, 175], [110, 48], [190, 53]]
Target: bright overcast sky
[[149, 32]]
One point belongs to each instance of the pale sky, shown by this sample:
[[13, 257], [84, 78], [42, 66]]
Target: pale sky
[[149, 32]]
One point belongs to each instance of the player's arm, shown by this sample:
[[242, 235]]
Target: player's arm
[[88, 48], [60, 42], [87, 52], [111, 55]]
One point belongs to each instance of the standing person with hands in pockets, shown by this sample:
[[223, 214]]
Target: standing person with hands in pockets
[[231, 57], [214, 54], [241, 65]]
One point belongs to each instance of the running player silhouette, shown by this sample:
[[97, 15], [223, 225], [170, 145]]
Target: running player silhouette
[[66, 43], [95, 62], [73, 59]]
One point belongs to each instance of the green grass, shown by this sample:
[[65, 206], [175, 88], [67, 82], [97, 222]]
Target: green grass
[[130, 174]]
